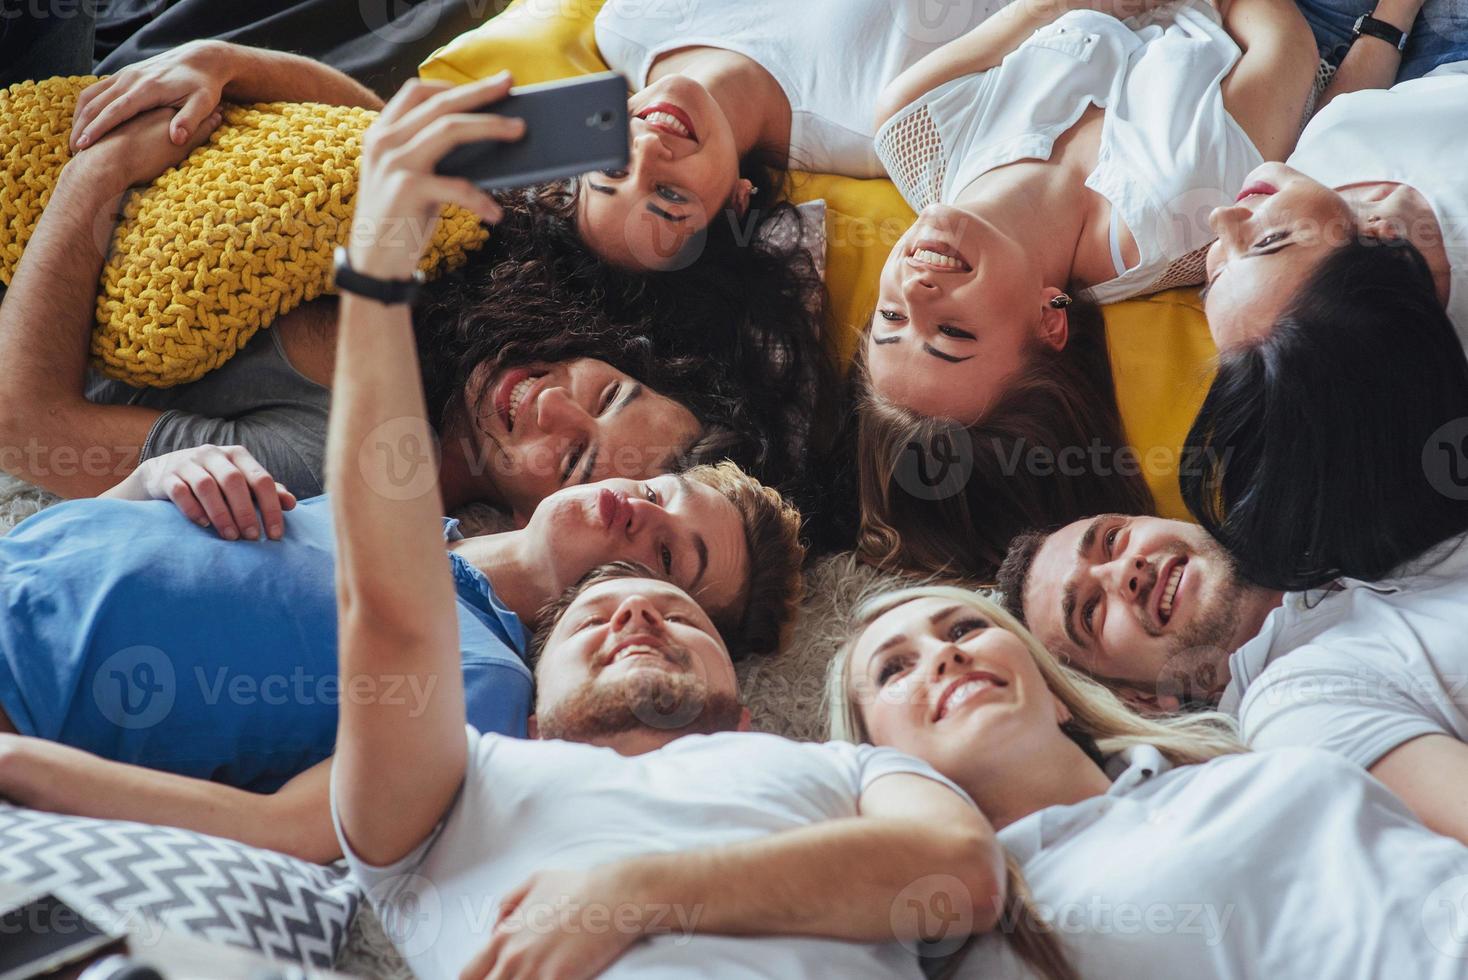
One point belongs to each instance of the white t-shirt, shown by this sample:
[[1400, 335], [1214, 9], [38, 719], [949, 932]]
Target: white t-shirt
[[531, 805], [1290, 863], [1169, 154], [1415, 133], [1361, 669], [832, 58]]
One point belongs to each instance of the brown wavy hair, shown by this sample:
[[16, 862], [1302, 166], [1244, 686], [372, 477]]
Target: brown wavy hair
[[940, 497]]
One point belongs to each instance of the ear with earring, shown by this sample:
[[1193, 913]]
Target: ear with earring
[[1060, 301]]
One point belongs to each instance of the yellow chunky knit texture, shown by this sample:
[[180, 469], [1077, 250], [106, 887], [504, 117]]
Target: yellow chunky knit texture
[[216, 248]]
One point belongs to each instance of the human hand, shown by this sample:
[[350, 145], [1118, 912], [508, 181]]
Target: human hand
[[137, 151], [399, 196], [189, 79], [214, 485], [562, 925]]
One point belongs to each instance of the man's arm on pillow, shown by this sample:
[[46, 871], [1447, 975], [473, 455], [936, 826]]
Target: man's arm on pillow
[[1430, 774], [869, 878], [50, 434], [195, 77], [295, 819]]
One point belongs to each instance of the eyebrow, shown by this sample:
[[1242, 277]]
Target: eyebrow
[[652, 208], [1068, 600], [929, 348], [588, 467]]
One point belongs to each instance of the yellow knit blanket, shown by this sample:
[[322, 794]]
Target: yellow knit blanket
[[239, 233]]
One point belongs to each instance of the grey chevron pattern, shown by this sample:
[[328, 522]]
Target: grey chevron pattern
[[216, 889]]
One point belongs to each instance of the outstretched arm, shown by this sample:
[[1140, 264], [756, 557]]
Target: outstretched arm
[[396, 771], [919, 863], [193, 78], [50, 434], [295, 819]]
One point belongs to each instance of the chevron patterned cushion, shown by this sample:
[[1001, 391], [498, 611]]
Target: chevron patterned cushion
[[121, 874]]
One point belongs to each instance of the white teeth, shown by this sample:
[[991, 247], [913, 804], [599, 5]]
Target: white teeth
[[963, 692], [670, 121], [516, 394], [937, 258], [1170, 592]]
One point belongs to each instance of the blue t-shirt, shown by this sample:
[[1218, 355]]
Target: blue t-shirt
[[134, 634]]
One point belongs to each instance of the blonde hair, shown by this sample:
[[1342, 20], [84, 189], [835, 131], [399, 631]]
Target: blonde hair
[[773, 583], [1097, 715], [1096, 712]]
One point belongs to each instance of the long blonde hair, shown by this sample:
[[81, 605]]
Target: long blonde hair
[[1097, 715]]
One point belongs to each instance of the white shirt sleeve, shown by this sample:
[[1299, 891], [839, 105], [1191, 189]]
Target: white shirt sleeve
[[385, 883], [873, 762], [1318, 697]]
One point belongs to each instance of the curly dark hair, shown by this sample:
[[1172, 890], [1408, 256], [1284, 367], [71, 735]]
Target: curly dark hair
[[735, 335]]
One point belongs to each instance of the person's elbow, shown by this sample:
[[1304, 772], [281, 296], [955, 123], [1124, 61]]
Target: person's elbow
[[967, 874], [892, 101]]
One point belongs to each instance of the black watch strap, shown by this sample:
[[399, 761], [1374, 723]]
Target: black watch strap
[[1371, 27], [388, 291]]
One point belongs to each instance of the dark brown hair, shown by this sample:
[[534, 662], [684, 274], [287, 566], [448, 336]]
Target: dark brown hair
[[945, 498]]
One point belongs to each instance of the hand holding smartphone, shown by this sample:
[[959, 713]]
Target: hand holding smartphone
[[572, 126]]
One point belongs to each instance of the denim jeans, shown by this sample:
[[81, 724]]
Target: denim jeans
[[1439, 36]]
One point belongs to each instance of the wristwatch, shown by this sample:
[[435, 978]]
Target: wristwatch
[[1369, 25], [387, 291]]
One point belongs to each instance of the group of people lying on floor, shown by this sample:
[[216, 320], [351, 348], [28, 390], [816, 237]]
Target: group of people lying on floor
[[629, 367]]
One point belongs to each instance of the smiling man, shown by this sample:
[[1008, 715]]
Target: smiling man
[[1375, 671]]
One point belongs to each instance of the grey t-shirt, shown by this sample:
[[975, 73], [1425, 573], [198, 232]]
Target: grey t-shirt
[[257, 400]]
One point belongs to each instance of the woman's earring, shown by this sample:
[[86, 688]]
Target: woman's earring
[[1060, 302]]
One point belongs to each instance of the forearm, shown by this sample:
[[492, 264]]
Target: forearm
[[1372, 62], [49, 433], [980, 49], [261, 75], [47, 776], [1430, 774], [861, 879]]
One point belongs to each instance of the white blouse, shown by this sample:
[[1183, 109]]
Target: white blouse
[[1170, 152], [832, 58], [1415, 133]]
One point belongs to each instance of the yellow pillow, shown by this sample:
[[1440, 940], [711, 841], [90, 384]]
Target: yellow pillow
[[1160, 347], [217, 247]]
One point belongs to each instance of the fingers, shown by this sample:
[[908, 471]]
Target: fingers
[[262, 486], [205, 489], [455, 190], [195, 112], [455, 100], [111, 113], [478, 968], [87, 106], [415, 92]]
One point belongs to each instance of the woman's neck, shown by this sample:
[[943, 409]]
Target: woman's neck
[[1024, 202], [508, 560], [756, 106], [1057, 775], [1401, 211]]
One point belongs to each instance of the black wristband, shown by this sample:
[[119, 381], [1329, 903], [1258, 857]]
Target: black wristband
[[387, 291], [1371, 27]]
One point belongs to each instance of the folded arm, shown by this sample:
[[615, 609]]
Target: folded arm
[[50, 434], [1430, 774], [295, 819], [918, 863]]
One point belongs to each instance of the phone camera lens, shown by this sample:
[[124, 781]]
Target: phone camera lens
[[602, 120]]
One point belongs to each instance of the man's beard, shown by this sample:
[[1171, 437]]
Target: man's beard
[[1196, 672], [652, 700]]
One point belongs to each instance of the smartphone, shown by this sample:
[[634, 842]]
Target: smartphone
[[572, 126], [44, 935]]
